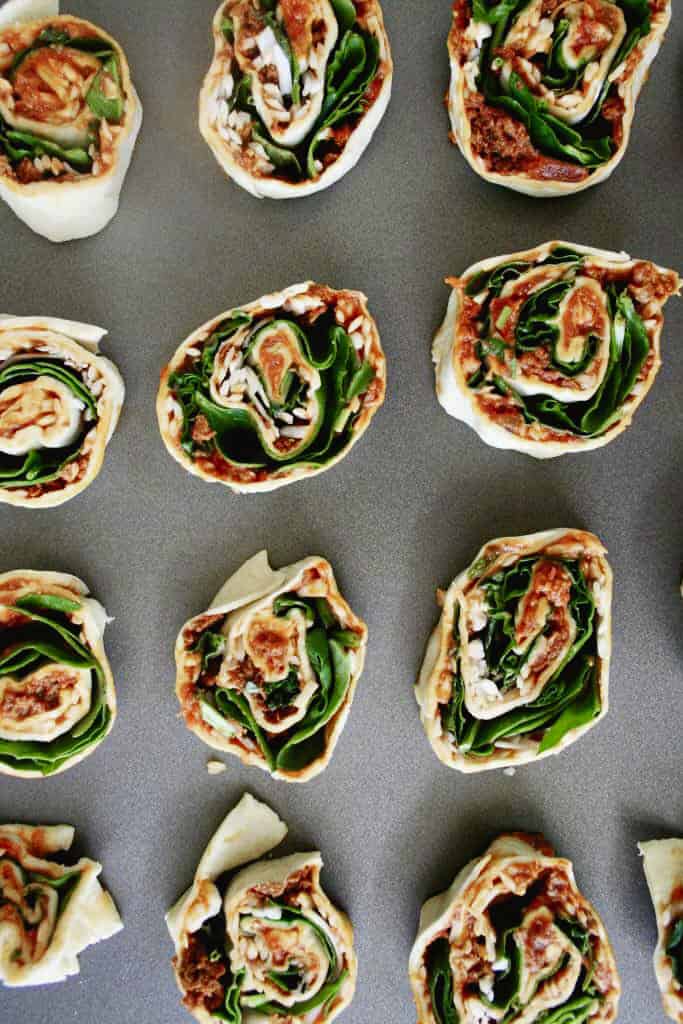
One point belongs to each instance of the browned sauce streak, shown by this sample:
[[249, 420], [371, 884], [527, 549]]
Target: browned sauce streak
[[296, 15], [199, 978], [591, 28], [36, 696], [583, 314], [503, 143]]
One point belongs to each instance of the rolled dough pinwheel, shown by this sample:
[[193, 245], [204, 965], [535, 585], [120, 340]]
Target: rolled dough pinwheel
[[543, 92], [59, 405], [49, 912], [69, 118], [513, 940], [269, 671], [265, 944], [663, 863], [518, 665], [551, 351], [295, 91], [57, 698], [274, 391]]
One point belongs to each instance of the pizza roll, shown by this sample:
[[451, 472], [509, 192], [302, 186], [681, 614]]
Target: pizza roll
[[49, 912], [295, 91], [663, 864], [57, 698], [274, 391], [551, 351], [60, 402], [265, 944], [69, 118], [513, 940], [543, 94], [269, 671], [518, 665]]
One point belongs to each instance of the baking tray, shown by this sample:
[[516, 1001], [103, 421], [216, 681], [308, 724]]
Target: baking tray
[[400, 516]]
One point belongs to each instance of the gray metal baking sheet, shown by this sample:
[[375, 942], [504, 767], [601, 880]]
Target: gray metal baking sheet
[[400, 516]]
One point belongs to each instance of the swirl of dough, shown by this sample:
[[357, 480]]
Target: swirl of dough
[[49, 913], [513, 939], [543, 94], [264, 943], [552, 350], [295, 91], [57, 698], [59, 405], [275, 391], [69, 119], [518, 665], [269, 671]]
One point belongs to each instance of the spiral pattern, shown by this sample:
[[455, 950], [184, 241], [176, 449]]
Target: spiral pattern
[[49, 912], [57, 700], [265, 943], [513, 939], [518, 665], [551, 351], [275, 391], [288, 945], [59, 405], [68, 115], [543, 92], [295, 91], [269, 671]]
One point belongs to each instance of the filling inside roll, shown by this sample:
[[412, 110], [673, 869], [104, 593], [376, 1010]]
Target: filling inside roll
[[521, 669], [61, 101], [48, 415], [273, 675], [542, 81], [53, 703], [560, 347], [673, 944], [274, 389], [297, 78], [522, 947], [274, 954], [33, 894]]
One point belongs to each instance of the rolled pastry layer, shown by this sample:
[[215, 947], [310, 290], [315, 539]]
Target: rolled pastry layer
[[663, 864], [552, 350], [69, 118], [543, 94], [295, 91], [49, 913], [269, 671], [274, 391], [265, 944], [518, 665], [59, 405], [513, 940], [57, 698]]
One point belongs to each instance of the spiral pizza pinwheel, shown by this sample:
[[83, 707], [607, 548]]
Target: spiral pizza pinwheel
[[518, 665], [513, 940], [49, 912], [274, 391], [551, 351], [60, 402], [69, 118], [57, 697], [663, 864], [265, 944], [543, 92], [269, 671], [295, 91]]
